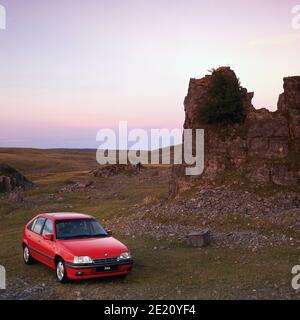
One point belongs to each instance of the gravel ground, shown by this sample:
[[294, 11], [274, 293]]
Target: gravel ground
[[208, 206]]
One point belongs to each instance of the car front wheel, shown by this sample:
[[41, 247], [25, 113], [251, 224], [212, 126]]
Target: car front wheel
[[61, 273], [27, 256]]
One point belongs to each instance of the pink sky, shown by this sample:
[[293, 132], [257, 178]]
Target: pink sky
[[71, 67]]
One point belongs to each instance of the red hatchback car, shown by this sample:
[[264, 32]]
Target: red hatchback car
[[76, 246]]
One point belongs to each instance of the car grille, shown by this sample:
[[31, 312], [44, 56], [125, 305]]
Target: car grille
[[106, 260]]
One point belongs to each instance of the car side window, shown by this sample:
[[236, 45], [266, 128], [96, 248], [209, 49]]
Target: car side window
[[31, 225], [38, 226], [48, 228]]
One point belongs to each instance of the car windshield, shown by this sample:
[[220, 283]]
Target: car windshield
[[79, 229]]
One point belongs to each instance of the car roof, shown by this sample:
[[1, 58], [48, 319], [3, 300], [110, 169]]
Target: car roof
[[65, 215]]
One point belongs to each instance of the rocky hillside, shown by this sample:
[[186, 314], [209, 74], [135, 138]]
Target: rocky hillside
[[11, 179], [263, 148]]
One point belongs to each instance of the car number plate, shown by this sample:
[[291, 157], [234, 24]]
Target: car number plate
[[106, 268]]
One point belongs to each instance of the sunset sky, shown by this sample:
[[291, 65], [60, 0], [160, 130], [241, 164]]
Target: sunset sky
[[71, 67]]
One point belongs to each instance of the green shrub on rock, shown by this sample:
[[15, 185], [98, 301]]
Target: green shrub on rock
[[225, 101]]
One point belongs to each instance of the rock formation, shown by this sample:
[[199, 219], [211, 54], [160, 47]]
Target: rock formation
[[264, 148], [11, 179]]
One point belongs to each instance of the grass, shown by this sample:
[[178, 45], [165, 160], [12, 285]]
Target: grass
[[172, 271]]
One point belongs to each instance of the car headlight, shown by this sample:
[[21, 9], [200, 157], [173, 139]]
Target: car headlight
[[125, 256], [81, 260]]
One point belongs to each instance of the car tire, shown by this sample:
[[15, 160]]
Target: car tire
[[61, 272], [27, 256]]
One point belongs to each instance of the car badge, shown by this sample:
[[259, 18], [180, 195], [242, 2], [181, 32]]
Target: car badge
[[106, 255]]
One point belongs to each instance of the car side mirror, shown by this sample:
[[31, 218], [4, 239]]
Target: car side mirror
[[48, 237], [109, 232]]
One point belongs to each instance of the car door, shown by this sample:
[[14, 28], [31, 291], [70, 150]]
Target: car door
[[35, 239], [30, 236], [47, 247]]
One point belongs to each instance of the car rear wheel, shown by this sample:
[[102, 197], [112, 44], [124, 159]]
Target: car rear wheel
[[27, 256], [61, 273]]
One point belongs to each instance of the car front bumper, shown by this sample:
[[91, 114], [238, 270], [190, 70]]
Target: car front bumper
[[89, 271]]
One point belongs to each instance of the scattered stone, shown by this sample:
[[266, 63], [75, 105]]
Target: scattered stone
[[150, 199], [77, 187], [199, 239], [20, 289], [15, 197], [106, 171]]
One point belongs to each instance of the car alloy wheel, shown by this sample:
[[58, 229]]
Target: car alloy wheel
[[27, 256], [61, 271]]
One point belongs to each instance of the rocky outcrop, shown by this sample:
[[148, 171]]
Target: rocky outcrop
[[11, 179], [264, 148]]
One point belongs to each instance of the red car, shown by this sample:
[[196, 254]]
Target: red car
[[76, 246]]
